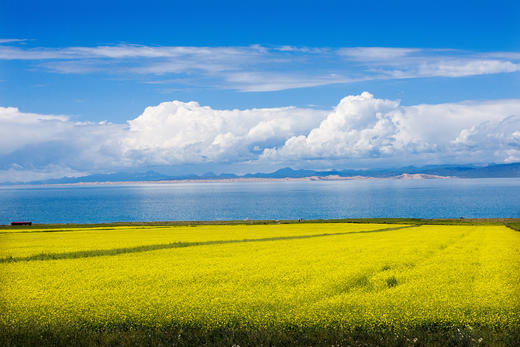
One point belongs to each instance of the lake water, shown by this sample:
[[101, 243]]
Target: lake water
[[262, 200]]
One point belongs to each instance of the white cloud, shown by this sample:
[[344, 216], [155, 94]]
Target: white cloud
[[17, 174], [21, 129], [42, 144], [501, 137], [413, 62], [364, 127], [265, 82], [360, 129], [460, 68], [376, 53], [74, 67], [11, 40], [356, 128], [124, 51], [258, 69], [177, 132]]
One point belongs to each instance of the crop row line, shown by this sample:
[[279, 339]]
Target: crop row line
[[147, 248]]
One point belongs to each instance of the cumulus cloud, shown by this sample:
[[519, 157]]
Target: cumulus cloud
[[356, 127], [177, 132], [501, 137], [21, 129], [360, 129], [33, 146], [364, 127], [257, 68]]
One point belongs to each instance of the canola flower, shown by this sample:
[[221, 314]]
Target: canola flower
[[29, 242], [339, 276]]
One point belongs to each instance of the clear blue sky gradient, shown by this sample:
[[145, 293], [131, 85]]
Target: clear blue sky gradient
[[481, 25]]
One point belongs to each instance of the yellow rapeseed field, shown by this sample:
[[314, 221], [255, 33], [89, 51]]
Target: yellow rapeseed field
[[28, 242], [326, 283]]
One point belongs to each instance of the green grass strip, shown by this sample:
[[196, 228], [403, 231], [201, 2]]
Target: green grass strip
[[415, 221]]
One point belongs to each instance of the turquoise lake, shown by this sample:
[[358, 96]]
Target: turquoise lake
[[452, 198]]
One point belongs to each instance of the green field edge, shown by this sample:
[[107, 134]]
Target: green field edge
[[416, 221], [155, 247]]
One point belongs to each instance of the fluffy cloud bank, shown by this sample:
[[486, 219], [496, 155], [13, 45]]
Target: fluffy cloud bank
[[35, 146], [177, 132], [360, 129], [364, 127]]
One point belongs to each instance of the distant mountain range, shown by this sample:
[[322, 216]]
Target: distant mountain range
[[468, 171]]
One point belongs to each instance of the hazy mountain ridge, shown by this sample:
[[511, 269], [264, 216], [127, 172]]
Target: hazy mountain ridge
[[462, 171]]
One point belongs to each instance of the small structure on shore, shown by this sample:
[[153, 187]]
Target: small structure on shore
[[21, 223]]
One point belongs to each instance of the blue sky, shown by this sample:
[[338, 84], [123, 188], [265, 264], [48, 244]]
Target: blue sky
[[286, 65]]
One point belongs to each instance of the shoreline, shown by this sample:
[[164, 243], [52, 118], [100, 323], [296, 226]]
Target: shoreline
[[412, 221], [404, 176]]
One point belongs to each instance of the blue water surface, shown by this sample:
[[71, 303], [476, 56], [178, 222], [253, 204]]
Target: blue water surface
[[437, 198]]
